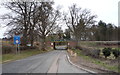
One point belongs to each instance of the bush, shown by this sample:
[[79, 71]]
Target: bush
[[27, 47], [106, 52], [91, 52], [12, 49], [116, 53], [78, 47], [86, 51], [95, 53], [6, 49]]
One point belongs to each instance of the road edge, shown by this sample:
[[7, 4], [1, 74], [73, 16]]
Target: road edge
[[12, 60], [89, 71]]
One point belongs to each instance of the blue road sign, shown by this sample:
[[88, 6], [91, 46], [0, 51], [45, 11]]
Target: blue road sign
[[16, 39]]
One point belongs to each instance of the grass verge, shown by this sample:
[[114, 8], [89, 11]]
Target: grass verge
[[98, 62], [23, 54]]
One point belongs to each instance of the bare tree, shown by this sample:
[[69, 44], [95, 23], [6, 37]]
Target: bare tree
[[78, 20], [19, 21], [47, 21], [23, 20]]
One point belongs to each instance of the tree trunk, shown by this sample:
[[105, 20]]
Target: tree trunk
[[26, 28], [43, 44], [32, 40], [32, 37], [77, 39], [24, 41]]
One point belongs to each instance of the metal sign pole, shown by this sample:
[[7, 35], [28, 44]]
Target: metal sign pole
[[18, 48]]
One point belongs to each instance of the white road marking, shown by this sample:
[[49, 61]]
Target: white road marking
[[79, 66], [54, 67]]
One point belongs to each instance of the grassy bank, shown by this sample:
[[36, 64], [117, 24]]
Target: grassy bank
[[23, 54], [98, 62]]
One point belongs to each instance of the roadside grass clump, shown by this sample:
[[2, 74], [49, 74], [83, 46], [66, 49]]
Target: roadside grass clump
[[116, 53], [106, 52]]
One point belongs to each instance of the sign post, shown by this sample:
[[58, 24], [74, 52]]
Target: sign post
[[17, 42]]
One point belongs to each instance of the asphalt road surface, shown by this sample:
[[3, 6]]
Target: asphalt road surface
[[61, 47], [50, 62]]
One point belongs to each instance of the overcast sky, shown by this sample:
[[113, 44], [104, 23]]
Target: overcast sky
[[106, 10]]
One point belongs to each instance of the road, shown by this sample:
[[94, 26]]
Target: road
[[50, 62], [61, 47]]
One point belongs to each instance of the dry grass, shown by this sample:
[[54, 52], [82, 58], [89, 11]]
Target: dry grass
[[109, 64], [23, 54]]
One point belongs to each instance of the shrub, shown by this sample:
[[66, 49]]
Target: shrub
[[106, 52], [78, 47], [23, 48], [95, 53], [91, 52], [86, 51], [116, 53], [27, 47], [12, 49], [6, 49]]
